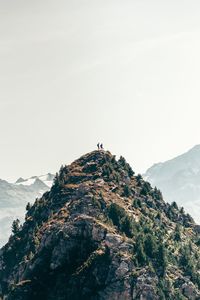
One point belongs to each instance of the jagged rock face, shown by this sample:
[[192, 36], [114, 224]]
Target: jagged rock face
[[82, 239]]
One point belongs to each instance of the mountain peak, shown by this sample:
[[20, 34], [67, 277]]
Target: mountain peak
[[20, 180], [96, 156], [100, 233], [95, 165]]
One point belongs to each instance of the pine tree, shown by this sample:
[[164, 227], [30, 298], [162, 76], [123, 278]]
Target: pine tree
[[174, 205], [139, 249], [28, 206], [150, 245], [162, 258], [177, 233], [127, 191], [141, 256], [16, 226]]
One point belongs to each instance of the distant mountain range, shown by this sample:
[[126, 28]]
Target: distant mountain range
[[15, 196], [179, 180]]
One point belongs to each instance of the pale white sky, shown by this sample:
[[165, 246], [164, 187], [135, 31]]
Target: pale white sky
[[73, 73]]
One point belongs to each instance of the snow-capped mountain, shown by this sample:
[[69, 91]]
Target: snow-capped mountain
[[179, 180], [15, 196], [46, 179]]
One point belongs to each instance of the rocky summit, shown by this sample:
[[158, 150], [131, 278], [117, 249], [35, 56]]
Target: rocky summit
[[101, 233]]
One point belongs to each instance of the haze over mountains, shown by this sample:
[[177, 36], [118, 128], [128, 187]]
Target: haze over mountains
[[179, 180], [15, 196]]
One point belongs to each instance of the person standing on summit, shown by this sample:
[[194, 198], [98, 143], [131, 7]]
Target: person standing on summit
[[98, 146], [101, 147]]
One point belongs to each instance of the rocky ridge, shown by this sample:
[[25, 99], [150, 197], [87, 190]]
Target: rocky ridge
[[102, 233]]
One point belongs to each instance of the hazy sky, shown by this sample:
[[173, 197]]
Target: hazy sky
[[73, 73]]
